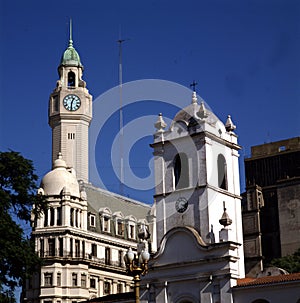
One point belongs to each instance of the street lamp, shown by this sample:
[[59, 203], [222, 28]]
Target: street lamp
[[136, 265]]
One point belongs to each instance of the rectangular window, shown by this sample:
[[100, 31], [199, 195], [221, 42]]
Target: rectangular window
[[106, 287], [42, 248], [51, 247], [48, 279], [77, 248], [58, 279], [83, 280], [120, 287], [51, 216], [71, 136], [46, 218], [58, 221], [92, 283], [120, 227], [92, 220], [131, 231], [74, 279], [94, 250], [107, 255], [106, 224]]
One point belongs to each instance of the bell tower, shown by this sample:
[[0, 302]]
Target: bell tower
[[196, 171], [70, 113]]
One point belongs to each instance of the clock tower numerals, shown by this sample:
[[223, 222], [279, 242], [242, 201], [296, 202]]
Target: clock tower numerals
[[71, 102]]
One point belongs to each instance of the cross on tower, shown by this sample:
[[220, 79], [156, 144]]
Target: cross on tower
[[193, 85]]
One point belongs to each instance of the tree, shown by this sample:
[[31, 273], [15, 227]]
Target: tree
[[18, 186], [290, 263]]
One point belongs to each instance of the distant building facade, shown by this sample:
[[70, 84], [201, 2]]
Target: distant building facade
[[271, 204]]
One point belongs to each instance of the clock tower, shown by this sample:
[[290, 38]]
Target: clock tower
[[70, 113]]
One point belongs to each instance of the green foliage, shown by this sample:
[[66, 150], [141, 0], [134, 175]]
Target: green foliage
[[290, 263], [17, 195]]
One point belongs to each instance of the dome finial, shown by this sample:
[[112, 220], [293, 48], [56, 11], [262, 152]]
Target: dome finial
[[70, 39], [194, 95], [230, 127]]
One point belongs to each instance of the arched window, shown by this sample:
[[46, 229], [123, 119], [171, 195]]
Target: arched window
[[181, 171], [222, 172], [71, 79]]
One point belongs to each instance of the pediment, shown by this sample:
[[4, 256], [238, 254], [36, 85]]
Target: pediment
[[180, 245]]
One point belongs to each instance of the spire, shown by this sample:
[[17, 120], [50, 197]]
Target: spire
[[70, 39]]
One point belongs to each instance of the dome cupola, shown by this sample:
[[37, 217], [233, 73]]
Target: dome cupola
[[70, 56], [60, 179]]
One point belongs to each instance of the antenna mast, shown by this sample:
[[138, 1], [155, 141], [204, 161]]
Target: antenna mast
[[121, 189]]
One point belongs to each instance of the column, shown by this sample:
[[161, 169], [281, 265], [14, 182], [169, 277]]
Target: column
[[114, 286], [55, 216], [101, 286]]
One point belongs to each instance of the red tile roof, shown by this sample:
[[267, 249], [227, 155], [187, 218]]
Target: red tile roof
[[267, 280]]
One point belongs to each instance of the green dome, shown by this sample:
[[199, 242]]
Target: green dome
[[70, 56]]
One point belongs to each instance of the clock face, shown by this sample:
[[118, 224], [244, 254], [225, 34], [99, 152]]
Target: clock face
[[181, 205], [72, 102]]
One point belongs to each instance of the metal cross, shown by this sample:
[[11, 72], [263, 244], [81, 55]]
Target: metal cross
[[193, 85]]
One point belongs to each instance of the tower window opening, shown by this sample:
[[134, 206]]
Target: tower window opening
[[222, 172], [71, 79], [71, 136], [181, 171]]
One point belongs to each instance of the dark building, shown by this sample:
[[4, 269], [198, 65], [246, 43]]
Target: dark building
[[271, 204]]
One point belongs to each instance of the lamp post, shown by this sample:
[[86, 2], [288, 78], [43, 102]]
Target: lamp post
[[136, 265]]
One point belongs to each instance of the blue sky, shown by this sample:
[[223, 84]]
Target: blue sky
[[244, 55]]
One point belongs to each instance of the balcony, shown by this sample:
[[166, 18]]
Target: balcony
[[80, 256]]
